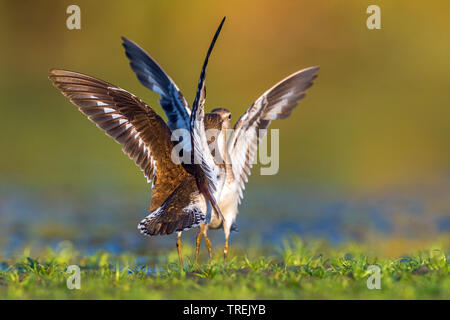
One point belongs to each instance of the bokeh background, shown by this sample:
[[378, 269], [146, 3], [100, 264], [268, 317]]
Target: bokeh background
[[366, 156]]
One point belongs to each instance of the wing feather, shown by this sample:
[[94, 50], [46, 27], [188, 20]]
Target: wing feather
[[152, 76], [143, 134], [276, 103]]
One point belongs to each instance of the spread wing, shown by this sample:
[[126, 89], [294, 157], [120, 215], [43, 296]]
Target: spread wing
[[276, 103], [202, 156], [143, 134], [152, 76]]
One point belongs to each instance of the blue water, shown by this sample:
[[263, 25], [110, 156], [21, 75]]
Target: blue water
[[267, 215]]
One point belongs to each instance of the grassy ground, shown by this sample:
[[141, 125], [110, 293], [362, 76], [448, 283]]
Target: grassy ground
[[299, 270]]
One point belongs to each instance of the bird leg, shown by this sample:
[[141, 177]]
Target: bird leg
[[225, 249], [208, 243], [202, 232], [197, 246], [179, 246], [226, 229]]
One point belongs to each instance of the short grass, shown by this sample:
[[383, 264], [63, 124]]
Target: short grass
[[298, 270]]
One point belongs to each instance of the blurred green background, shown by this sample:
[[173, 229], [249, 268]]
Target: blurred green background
[[377, 118]]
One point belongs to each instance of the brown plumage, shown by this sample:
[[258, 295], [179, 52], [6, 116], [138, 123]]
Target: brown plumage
[[171, 215], [174, 217]]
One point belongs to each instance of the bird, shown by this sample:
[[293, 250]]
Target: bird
[[183, 194], [276, 103], [238, 152]]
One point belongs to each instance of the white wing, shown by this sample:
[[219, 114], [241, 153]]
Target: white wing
[[276, 103]]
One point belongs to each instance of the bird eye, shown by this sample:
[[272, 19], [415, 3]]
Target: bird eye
[[229, 116]]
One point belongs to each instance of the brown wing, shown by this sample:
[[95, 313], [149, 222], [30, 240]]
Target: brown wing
[[182, 210], [143, 134]]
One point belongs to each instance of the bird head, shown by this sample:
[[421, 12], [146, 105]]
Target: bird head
[[225, 117], [216, 124]]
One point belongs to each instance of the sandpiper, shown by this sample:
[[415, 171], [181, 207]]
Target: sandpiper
[[239, 151]]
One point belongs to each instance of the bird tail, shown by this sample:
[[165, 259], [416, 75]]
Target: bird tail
[[158, 223]]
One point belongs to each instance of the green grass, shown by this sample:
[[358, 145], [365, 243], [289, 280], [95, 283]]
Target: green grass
[[299, 270]]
